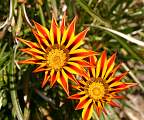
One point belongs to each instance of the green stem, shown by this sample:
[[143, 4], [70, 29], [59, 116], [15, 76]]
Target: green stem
[[13, 91], [92, 13], [122, 42], [41, 15]]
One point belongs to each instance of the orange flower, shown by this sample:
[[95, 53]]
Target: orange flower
[[100, 87], [57, 52]]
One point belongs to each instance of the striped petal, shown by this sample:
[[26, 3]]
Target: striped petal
[[53, 77], [87, 112], [33, 53], [46, 78], [69, 33], [80, 54], [114, 104], [83, 103], [28, 43], [62, 26], [109, 76], [82, 63], [110, 65], [64, 81], [75, 69], [118, 78], [77, 96], [30, 61], [42, 67], [42, 31], [77, 41], [99, 108], [101, 65], [54, 32], [42, 41], [70, 76]]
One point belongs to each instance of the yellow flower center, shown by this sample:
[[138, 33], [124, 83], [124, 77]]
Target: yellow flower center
[[56, 58], [96, 90]]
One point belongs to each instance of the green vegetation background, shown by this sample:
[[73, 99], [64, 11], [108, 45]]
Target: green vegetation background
[[20, 92]]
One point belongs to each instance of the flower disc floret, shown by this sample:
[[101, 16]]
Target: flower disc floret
[[96, 90], [56, 59]]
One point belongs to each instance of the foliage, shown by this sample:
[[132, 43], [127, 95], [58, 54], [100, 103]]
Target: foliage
[[115, 25]]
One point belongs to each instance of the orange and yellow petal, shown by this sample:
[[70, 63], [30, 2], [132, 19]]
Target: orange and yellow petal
[[46, 78], [87, 112]]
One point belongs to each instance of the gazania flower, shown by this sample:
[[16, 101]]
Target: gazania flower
[[57, 52], [100, 87]]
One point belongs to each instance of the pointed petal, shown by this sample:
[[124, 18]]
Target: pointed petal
[[33, 50], [73, 44], [111, 60], [81, 53], [114, 104], [83, 103], [118, 78], [70, 76], [101, 65], [62, 26], [42, 41], [77, 96], [110, 65], [42, 67], [30, 61], [33, 53], [109, 75], [42, 31], [124, 86], [83, 63], [93, 60], [99, 108], [87, 112], [54, 32], [69, 33], [92, 70], [46, 78], [53, 77], [118, 97], [28, 43], [64, 81], [75, 68]]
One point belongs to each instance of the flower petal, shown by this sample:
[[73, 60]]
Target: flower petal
[[77, 96], [114, 104], [42, 31], [69, 33], [81, 53], [64, 81], [109, 75], [53, 77], [87, 112], [118, 78], [28, 43], [110, 65], [83, 103], [75, 68], [62, 26], [70, 76], [30, 61], [46, 78], [33, 53], [42, 67], [101, 65], [54, 32], [82, 63], [99, 108], [42, 41], [74, 43]]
